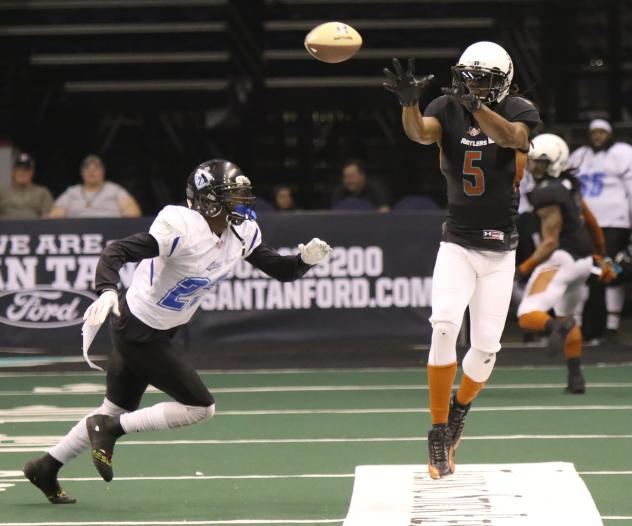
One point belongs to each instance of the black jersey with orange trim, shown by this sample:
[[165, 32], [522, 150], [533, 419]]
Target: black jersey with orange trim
[[574, 237], [482, 177]]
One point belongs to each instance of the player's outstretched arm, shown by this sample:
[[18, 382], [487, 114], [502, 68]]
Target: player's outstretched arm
[[424, 130], [130, 249], [408, 89], [288, 268], [551, 220]]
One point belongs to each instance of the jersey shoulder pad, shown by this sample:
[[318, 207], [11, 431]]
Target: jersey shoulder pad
[[547, 193], [250, 232], [172, 227], [438, 106], [521, 110]]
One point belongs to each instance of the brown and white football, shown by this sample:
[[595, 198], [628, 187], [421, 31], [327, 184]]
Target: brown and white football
[[333, 42]]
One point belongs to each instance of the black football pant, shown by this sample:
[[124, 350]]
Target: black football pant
[[595, 315], [143, 356]]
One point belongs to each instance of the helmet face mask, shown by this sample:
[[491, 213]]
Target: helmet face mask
[[219, 186], [485, 84]]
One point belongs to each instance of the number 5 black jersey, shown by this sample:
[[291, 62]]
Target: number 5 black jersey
[[482, 177]]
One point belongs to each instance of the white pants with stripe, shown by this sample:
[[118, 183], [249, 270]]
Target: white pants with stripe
[[565, 293], [481, 279]]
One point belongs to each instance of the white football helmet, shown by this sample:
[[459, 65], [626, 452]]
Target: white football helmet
[[487, 70], [551, 148]]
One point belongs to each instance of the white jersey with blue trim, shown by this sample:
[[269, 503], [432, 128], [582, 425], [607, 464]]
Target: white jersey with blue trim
[[606, 178], [166, 290]]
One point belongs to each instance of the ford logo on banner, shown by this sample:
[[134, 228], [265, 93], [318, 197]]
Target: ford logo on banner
[[44, 307]]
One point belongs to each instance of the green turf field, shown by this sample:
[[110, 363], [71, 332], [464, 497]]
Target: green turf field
[[284, 445]]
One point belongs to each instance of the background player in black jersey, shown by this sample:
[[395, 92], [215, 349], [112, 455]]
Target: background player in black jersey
[[187, 251], [483, 134], [562, 262]]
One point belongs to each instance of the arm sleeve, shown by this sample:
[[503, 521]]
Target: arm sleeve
[[281, 268], [116, 254]]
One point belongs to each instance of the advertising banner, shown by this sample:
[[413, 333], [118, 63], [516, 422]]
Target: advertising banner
[[377, 281]]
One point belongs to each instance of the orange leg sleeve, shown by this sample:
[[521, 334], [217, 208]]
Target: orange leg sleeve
[[440, 380], [534, 321], [468, 390], [573, 344]]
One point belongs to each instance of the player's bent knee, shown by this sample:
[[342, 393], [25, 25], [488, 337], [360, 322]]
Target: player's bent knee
[[110, 409], [178, 415], [201, 413], [478, 365]]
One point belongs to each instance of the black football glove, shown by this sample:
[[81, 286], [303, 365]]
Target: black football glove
[[470, 101], [407, 88]]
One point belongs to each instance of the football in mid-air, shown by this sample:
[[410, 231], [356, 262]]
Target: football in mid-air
[[333, 42]]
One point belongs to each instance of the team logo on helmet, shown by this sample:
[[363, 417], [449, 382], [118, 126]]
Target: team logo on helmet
[[202, 177], [242, 180]]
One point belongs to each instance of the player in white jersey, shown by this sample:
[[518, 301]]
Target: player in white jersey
[[186, 252], [604, 168]]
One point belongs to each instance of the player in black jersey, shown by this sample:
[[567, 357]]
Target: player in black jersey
[[483, 134], [562, 262]]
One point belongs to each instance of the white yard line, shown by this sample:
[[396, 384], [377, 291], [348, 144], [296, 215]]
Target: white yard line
[[176, 523], [359, 370], [21, 446], [70, 414], [203, 477], [98, 389]]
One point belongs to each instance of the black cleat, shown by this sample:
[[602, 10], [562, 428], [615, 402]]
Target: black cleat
[[576, 382], [557, 332], [103, 432], [440, 452], [456, 419], [42, 473]]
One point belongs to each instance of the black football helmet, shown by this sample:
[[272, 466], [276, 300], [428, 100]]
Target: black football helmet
[[218, 186]]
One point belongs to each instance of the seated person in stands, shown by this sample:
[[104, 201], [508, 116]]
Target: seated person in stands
[[356, 184], [95, 197], [284, 198], [23, 199]]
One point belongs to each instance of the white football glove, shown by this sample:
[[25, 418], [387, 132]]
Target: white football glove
[[97, 312], [314, 252]]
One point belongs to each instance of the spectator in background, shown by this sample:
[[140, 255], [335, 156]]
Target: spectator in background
[[356, 184], [96, 197], [23, 199], [604, 168], [284, 198]]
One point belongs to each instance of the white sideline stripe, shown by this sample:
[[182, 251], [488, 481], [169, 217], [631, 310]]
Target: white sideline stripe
[[253, 477], [204, 477], [617, 517], [49, 441], [41, 391], [359, 370], [70, 414], [174, 523]]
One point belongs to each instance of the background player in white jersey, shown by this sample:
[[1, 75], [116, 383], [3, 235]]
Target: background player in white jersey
[[604, 168], [562, 262], [483, 136], [186, 252]]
